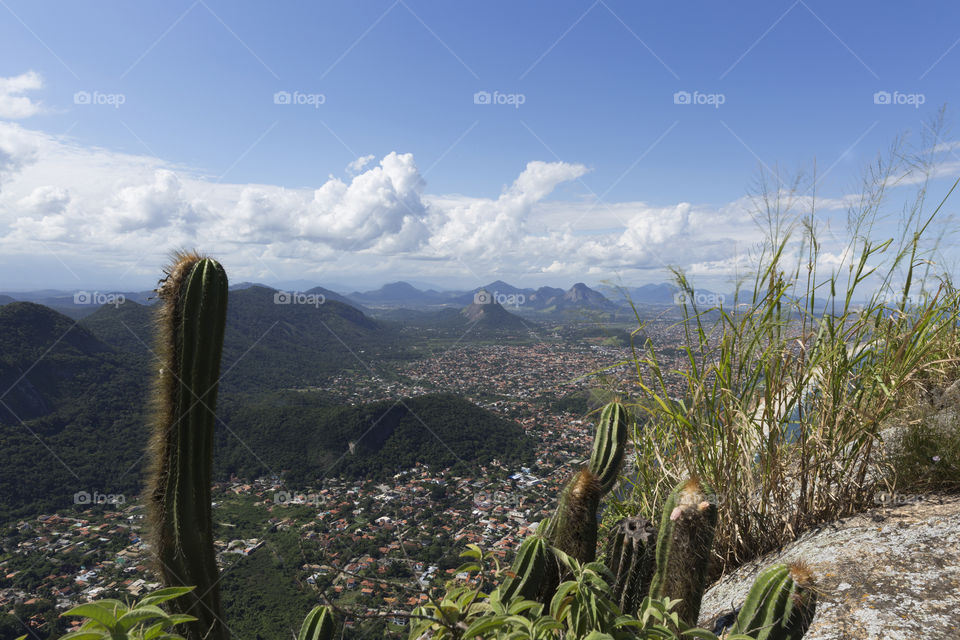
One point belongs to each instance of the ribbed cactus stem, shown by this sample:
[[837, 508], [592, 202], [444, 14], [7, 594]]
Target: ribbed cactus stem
[[192, 315], [684, 547], [780, 605], [318, 625], [631, 552], [572, 529], [528, 570], [609, 444]]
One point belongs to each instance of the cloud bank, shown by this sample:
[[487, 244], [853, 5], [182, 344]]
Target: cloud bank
[[123, 212]]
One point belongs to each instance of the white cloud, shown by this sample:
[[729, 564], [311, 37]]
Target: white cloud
[[103, 208], [13, 104], [357, 165]]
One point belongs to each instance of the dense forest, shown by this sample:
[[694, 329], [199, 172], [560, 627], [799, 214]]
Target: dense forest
[[305, 438]]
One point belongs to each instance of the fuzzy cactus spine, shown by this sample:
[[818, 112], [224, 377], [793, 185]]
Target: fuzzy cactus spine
[[684, 547], [190, 328], [574, 527]]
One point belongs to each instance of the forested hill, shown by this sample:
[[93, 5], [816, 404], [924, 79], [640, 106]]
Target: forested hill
[[272, 341], [75, 400], [306, 439]]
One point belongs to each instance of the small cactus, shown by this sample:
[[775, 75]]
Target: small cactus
[[630, 557], [780, 605], [191, 322], [684, 546], [528, 570], [609, 444], [318, 625]]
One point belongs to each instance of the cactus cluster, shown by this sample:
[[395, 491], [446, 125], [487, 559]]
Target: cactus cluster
[[669, 561]]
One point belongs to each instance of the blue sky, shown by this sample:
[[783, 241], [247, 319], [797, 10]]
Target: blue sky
[[133, 128]]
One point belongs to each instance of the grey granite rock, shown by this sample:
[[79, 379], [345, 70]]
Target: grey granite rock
[[892, 573]]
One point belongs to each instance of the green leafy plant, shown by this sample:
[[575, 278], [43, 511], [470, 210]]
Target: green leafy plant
[[142, 620]]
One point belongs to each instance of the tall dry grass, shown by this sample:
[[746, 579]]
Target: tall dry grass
[[789, 390]]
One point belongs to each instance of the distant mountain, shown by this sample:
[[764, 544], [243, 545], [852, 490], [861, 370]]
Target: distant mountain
[[45, 360], [273, 339], [399, 294], [583, 296], [127, 326], [500, 291], [542, 296], [492, 316], [579, 297], [6, 299], [333, 295], [247, 285], [79, 303]]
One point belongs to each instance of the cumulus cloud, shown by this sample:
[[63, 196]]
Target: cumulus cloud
[[13, 104], [102, 207], [485, 228]]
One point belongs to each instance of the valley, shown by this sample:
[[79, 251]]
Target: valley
[[355, 458]]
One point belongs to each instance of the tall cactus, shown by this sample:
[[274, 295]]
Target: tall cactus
[[609, 444], [631, 550], [684, 546], [780, 605], [191, 322]]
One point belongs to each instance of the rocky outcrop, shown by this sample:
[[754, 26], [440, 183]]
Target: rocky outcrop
[[888, 574]]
